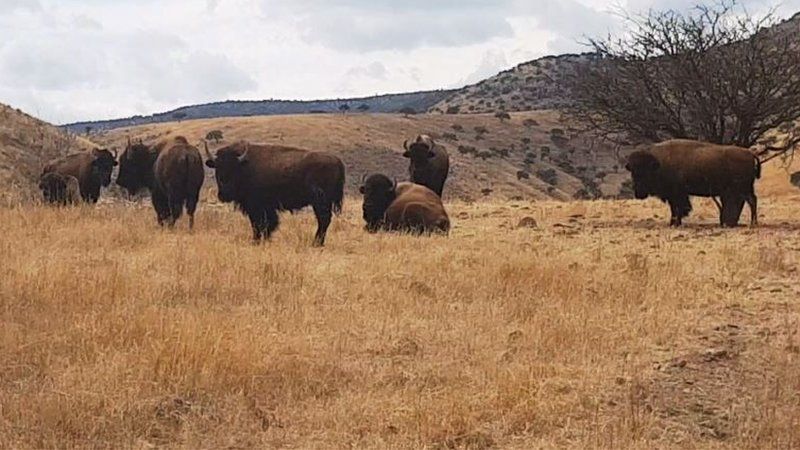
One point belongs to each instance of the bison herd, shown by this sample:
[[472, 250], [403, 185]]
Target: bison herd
[[262, 180]]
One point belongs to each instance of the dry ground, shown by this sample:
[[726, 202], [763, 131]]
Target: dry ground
[[596, 327]]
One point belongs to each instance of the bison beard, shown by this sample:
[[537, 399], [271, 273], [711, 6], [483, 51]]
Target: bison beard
[[676, 169], [265, 179]]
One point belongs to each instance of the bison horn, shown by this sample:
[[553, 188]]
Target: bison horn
[[394, 184], [405, 144], [243, 157], [114, 149]]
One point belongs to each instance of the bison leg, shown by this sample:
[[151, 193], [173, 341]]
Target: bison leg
[[161, 205], [175, 209], [732, 205], [264, 222], [680, 206], [324, 212], [191, 207], [752, 202]]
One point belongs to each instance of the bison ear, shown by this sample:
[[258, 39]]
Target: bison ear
[[431, 154], [116, 163], [211, 163], [361, 189], [406, 154], [628, 167]]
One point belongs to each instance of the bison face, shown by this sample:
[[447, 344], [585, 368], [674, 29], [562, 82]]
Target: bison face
[[135, 168], [228, 167], [420, 151], [102, 166], [643, 167], [379, 193]]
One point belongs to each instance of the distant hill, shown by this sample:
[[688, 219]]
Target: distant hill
[[391, 103], [26, 144], [530, 86]]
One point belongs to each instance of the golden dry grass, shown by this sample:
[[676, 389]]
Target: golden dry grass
[[598, 328]]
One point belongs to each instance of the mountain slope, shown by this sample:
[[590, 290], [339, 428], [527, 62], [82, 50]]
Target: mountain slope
[[26, 144], [391, 103], [529, 86]]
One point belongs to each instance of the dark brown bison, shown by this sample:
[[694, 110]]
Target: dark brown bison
[[92, 170], [429, 163], [60, 189], [676, 169], [410, 207], [265, 179], [172, 170]]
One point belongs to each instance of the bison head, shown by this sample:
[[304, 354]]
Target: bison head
[[136, 167], [643, 167], [379, 193], [228, 166], [103, 163], [420, 151]]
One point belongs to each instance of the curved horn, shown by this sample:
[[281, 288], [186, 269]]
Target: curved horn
[[405, 144], [363, 178], [394, 183], [243, 157], [115, 153]]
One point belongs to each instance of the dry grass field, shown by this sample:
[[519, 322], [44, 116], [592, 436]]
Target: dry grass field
[[595, 327]]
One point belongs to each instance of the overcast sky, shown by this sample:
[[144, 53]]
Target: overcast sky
[[71, 60]]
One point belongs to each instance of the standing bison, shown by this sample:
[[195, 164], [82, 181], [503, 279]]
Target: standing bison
[[92, 170], [429, 163], [60, 189], [265, 179], [173, 172], [402, 206], [675, 169]]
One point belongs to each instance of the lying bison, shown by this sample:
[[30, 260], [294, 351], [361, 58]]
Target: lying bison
[[402, 206], [429, 163], [60, 189], [173, 172], [674, 170], [265, 179], [91, 169]]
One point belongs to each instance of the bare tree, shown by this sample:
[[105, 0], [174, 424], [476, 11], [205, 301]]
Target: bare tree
[[717, 74]]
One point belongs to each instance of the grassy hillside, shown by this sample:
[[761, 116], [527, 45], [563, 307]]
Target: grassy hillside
[[598, 327], [26, 144], [529, 86], [531, 156]]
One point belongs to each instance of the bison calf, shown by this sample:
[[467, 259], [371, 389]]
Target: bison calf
[[676, 169], [173, 172], [429, 163], [402, 206], [91, 169], [264, 179], [60, 189]]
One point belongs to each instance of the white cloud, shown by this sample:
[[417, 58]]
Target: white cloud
[[70, 60]]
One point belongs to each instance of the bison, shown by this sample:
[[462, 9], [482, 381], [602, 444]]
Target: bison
[[265, 179], [675, 169], [92, 170], [429, 163], [60, 189], [172, 170], [410, 207]]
